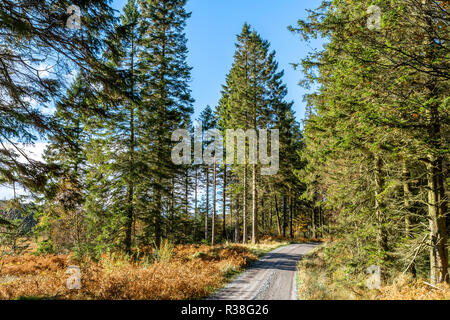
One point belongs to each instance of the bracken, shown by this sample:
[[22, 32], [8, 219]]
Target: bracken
[[193, 272]]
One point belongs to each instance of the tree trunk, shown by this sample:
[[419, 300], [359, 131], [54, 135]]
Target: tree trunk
[[406, 200], [255, 239], [160, 133], [158, 211], [186, 193], [263, 215], [130, 214], [437, 198], [207, 203], [194, 233], [236, 220], [438, 229], [320, 234], [291, 218], [224, 202], [130, 196], [284, 215], [172, 208], [244, 215], [271, 216], [213, 224], [278, 215], [442, 224], [379, 206]]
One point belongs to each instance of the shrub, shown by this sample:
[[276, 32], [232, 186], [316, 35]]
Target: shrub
[[45, 247], [164, 252]]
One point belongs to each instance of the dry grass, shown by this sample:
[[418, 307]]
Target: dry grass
[[315, 282], [406, 288], [186, 272], [29, 264]]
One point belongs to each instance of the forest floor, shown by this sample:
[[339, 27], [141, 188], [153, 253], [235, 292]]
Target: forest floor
[[173, 273], [318, 281]]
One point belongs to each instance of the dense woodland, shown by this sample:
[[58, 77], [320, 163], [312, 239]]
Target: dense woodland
[[368, 169]]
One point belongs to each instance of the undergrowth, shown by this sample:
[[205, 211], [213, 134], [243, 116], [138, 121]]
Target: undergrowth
[[317, 279], [167, 273]]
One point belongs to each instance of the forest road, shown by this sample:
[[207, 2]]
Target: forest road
[[271, 278]]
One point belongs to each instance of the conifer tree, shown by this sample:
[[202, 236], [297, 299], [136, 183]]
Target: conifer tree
[[114, 151], [64, 216], [166, 98], [251, 98], [208, 122], [36, 50], [367, 119]]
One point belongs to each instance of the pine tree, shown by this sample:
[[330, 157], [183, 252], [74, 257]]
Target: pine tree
[[251, 99], [367, 119], [208, 122], [66, 188], [114, 148], [36, 50], [167, 101]]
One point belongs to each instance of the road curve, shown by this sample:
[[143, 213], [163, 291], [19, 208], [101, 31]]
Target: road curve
[[271, 278]]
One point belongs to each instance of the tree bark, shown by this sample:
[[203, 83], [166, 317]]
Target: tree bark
[[437, 197], [130, 196], [207, 204], [194, 235], [406, 201], [271, 216], [277, 210], [172, 208], [158, 210], [291, 230], [379, 206], [255, 239], [320, 233], [213, 224], [263, 215], [284, 215], [236, 220], [224, 204], [244, 215], [130, 216], [186, 193], [438, 229]]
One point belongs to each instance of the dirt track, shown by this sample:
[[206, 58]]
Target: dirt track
[[271, 278]]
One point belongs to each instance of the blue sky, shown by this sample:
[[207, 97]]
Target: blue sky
[[211, 33]]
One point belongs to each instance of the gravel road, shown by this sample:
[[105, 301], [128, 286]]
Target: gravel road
[[271, 278]]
